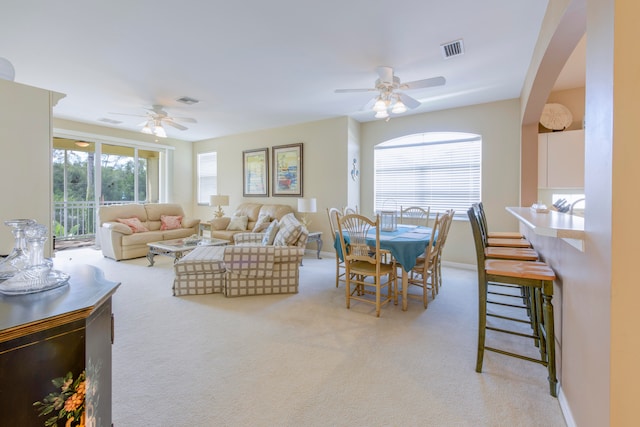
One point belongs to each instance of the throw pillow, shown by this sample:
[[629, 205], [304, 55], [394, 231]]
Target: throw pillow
[[270, 233], [289, 231], [238, 223], [263, 222], [134, 224], [169, 222]]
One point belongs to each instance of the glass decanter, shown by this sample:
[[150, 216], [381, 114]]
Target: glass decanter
[[18, 258]]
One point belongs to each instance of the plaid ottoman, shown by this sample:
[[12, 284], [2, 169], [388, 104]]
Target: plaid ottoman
[[200, 272]]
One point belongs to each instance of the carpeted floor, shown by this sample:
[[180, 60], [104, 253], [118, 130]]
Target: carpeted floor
[[305, 360]]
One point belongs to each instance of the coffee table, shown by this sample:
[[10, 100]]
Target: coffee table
[[177, 248]]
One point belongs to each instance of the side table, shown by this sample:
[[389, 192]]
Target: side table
[[204, 225], [316, 236]]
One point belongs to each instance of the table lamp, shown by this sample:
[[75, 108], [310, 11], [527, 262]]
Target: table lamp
[[219, 201], [306, 206]]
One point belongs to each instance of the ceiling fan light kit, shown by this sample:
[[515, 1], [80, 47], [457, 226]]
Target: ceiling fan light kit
[[391, 97]]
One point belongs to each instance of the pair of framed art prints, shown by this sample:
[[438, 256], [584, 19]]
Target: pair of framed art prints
[[286, 171]]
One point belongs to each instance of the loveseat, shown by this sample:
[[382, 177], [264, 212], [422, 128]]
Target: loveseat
[[125, 230], [238, 270], [247, 216]]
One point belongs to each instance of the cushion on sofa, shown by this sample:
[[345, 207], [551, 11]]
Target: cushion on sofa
[[270, 233], [275, 211], [263, 222], [170, 222], [238, 223], [288, 232], [134, 224]]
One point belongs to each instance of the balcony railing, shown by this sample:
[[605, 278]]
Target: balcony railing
[[76, 220]]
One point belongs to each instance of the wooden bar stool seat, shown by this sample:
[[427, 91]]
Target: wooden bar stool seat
[[523, 254], [509, 243], [504, 235]]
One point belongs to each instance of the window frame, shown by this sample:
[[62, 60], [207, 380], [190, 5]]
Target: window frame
[[211, 189]]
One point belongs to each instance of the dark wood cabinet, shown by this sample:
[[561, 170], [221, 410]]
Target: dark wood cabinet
[[44, 336]]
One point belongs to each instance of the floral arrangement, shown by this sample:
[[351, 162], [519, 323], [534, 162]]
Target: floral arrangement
[[67, 404]]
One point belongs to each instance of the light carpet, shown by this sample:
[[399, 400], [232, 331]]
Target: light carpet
[[305, 360]]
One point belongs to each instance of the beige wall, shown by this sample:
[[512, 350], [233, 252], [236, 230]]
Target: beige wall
[[327, 147], [25, 164]]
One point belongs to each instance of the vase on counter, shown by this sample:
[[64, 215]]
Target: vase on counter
[[18, 258]]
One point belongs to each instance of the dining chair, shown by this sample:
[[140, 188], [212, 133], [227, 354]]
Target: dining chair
[[415, 215], [363, 261], [347, 210], [516, 252], [450, 213], [334, 214], [534, 276], [424, 273]]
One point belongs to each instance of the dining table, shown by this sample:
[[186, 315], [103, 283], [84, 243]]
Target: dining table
[[406, 243]]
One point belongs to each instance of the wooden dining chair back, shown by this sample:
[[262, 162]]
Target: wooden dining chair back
[[536, 279], [415, 215], [363, 260], [347, 210], [424, 275], [334, 214]]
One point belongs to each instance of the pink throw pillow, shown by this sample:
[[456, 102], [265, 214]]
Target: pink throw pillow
[[170, 222], [134, 224]]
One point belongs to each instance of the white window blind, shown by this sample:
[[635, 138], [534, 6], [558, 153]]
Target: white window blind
[[207, 176], [440, 170]]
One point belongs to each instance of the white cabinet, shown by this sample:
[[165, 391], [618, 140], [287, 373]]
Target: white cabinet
[[561, 159]]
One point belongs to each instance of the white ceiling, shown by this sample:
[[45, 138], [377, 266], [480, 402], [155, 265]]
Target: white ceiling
[[258, 64]]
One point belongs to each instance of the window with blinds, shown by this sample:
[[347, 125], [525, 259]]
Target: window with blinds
[[207, 176], [440, 170]]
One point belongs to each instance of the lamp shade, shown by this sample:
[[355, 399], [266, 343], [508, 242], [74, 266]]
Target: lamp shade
[[307, 205], [219, 200]]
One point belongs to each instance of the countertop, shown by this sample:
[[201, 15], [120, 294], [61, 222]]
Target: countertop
[[552, 224]]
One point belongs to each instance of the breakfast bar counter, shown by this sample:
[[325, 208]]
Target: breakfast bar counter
[[552, 224]]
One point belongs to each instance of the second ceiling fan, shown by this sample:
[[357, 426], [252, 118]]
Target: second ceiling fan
[[156, 117], [391, 96]]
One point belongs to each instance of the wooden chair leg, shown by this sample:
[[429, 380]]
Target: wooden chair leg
[[482, 324], [548, 331]]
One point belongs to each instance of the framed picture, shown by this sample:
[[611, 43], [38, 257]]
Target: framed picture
[[287, 170], [255, 173]]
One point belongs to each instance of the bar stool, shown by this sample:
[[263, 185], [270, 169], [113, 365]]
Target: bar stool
[[534, 276], [501, 239]]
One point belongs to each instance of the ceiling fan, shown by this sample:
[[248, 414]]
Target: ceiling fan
[[391, 95], [156, 117]]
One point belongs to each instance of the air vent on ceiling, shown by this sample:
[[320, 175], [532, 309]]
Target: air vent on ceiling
[[110, 121], [452, 49], [187, 100]]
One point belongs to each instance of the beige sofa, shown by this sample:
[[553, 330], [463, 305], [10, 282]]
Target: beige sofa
[[252, 211], [118, 241], [238, 270]]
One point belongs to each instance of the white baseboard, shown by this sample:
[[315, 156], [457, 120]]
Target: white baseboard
[[566, 410], [459, 265]]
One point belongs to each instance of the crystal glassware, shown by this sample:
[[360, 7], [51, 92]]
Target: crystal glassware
[[18, 256]]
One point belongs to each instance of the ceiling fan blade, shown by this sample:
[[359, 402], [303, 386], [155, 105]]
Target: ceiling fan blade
[[130, 115], [173, 124], [354, 90], [184, 119], [409, 101], [369, 105], [419, 84], [385, 74]]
